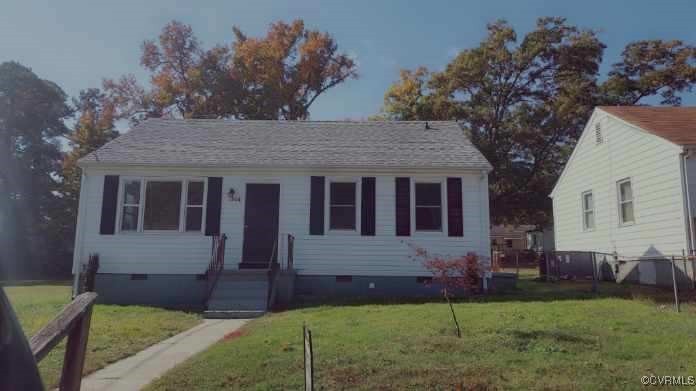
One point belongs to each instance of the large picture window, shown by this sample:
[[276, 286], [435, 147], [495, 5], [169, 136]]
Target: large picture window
[[342, 205], [625, 201], [588, 220], [428, 206], [162, 205]]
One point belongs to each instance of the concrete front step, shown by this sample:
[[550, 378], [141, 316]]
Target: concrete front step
[[232, 314], [239, 290], [243, 272], [241, 285], [237, 296], [236, 306]]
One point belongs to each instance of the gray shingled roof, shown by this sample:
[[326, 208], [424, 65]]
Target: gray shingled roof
[[306, 144]]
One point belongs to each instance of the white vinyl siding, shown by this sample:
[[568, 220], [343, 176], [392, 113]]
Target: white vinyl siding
[[651, 163], [335, 253]]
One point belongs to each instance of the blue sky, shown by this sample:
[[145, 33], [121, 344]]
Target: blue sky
[[77, 43]]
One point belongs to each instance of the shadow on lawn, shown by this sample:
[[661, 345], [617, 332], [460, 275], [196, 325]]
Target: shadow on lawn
[[528, 290]]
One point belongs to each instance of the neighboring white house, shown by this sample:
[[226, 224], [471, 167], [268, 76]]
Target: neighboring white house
[[629, 184], [352, 194]]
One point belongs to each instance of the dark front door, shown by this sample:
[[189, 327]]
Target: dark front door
[[260, 225]]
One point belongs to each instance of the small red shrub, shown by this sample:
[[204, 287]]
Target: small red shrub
[[454, 274]]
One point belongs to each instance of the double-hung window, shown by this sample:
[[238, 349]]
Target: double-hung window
[[588, 215], [194, 206], [428, 206], [342, 205], [130, 210], [625, 193], [162, 205]]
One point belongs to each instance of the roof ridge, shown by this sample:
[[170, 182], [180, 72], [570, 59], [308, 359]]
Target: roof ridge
[[300, 121]]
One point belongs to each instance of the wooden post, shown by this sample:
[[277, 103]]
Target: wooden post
[[674, 285], [517, 263], [308, 359], [73, 321], [75, 351], [693, 268]]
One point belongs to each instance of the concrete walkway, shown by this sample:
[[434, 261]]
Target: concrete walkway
[[137, 371]]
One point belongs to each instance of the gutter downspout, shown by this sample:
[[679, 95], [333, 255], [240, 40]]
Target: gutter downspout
[[684, 155]]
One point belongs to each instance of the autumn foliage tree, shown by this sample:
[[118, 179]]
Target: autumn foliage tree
[[94, 127], [278, 76], [452, 274], [524, 101]]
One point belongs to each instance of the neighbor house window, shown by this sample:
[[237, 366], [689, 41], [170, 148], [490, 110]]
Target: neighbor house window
[[428, 206], [625, 201], [130, 212], [342, 209], [588, 211], [162, 205]]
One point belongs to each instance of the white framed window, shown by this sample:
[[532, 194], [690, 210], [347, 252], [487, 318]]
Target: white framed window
[[625, 198], [194, 206], [131, 205], [162, 205], [428, 206], [343, 206], [588, 214]]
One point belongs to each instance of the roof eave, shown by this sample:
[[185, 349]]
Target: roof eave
[[112, 165]]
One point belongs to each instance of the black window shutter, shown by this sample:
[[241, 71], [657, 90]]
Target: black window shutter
[[367, 207], [403, 206], [213, 206], [455, 215], [107, 225], [316, 207]]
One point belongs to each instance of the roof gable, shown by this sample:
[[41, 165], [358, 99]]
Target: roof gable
[[587, 130], [674, 124], [292, 144]]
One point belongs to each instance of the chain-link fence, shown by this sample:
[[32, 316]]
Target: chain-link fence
[[675, 272]]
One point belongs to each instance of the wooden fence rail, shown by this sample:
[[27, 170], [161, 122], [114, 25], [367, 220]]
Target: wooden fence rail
[[19, 357], [73, 322]]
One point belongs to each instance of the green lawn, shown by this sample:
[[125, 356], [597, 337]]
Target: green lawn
[[545, 336], [116, 331]]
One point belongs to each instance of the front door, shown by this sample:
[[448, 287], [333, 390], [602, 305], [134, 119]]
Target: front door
[[260, 225]]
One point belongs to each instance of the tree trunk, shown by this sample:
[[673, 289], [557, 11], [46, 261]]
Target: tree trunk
[[454, 316]]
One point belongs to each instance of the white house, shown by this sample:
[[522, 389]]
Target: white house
[[350, 196], [629, 186]]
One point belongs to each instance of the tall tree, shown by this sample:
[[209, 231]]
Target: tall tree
[[277, 76], [283, 73], [32, 111], [651, 68], [94, 127], [524, 105]]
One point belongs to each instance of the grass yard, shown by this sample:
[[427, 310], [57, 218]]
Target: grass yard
[[116, 331], [546, 336]]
